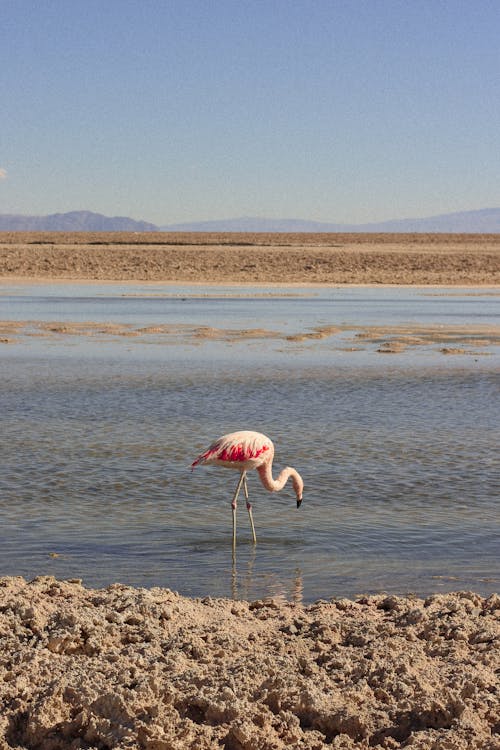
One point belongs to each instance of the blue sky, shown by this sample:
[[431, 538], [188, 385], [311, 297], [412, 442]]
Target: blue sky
[[178, 110]]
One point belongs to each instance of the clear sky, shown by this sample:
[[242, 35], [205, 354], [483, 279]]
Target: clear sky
[[179, 110]]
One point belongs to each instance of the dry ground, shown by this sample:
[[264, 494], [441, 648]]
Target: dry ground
[[450, 259], [152, 670]]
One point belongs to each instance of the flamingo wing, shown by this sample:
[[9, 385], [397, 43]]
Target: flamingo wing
[[245, 449]]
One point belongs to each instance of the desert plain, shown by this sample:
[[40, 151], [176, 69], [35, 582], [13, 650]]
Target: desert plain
[[147, 668], [442, 259]]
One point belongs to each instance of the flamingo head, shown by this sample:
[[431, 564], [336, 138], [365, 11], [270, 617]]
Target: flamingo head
[[298, 486]]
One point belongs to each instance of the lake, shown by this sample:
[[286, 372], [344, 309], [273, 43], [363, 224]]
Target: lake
[[109, 391]]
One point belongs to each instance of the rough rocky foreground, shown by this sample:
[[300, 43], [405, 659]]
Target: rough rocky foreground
[[137, 668], [450, 259]]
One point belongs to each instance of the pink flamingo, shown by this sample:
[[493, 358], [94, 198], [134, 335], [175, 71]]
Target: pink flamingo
[[246, 450]]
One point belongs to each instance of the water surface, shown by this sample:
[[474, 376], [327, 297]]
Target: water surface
[[399, 453]]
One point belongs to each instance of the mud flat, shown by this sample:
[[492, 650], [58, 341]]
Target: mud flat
[[434, 259], [135, 668], [471, 340]]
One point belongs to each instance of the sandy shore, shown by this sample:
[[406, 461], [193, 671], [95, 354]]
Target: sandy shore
[[434, 259], [137, 668]]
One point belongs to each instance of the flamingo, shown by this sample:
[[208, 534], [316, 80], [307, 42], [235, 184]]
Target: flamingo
[[247, 450]]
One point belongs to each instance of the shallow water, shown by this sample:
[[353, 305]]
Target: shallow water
[[285, 309], [399, 456]]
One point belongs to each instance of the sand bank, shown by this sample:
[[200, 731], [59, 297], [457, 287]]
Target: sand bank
[[471, 339], [137, 668], [416, 259]]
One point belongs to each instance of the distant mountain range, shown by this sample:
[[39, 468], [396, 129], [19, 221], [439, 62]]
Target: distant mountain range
[[74, 221], [482, 221]]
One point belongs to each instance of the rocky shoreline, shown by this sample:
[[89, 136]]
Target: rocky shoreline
[[137, 668]]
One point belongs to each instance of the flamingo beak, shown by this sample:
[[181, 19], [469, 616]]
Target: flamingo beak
[[299, 501]]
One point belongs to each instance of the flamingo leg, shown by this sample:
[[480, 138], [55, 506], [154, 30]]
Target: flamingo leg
[[234, 504], [249, 508]]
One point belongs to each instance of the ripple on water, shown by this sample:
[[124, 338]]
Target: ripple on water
[[400, 469]]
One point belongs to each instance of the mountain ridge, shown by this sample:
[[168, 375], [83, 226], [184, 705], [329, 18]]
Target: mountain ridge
[[485, 220], [73, 221], [478, 221]]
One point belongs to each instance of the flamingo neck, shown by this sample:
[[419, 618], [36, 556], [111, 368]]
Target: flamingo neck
[[275, 485]]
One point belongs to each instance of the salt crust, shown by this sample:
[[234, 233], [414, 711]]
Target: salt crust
[[137, 668]]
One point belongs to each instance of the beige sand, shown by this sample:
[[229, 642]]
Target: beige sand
[[448, 259], [137, 668]]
